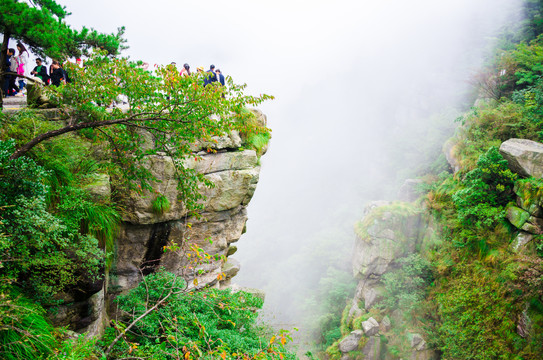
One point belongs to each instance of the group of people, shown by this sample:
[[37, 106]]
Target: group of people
[[57, 75], [13, 84], [213, 75], [19, 64]]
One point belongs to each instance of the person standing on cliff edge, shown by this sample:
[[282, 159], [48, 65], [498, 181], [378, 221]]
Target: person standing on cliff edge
[[220, 76], [210, 75]]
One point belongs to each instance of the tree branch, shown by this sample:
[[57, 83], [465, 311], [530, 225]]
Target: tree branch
[[74, 127]]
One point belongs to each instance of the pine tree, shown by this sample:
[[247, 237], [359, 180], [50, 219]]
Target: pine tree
[[40, 24]]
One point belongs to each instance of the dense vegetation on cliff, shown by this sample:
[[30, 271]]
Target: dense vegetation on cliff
[[472, 286], [59, 224]]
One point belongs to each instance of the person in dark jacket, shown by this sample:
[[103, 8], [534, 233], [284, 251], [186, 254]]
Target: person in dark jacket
[[220, 76], [57, 74], [210, 75], [40, 71], [12, 88]]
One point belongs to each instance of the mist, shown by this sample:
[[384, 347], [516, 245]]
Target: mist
[[366, 93]]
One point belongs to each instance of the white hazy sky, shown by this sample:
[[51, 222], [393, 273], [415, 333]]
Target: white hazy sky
[[346, 75]]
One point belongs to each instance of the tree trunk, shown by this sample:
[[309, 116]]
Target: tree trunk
[[3, 58]]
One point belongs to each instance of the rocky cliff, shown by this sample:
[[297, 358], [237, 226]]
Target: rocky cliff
[[392, 231], [388, 232], [172, 238]]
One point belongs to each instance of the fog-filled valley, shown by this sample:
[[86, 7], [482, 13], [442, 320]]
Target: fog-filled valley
[[365, 183], [362, 124]]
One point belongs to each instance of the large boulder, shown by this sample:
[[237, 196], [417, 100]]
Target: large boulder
[[525, 157], [516, 216], [385, 324], [35, 95], [370, 327], [417, 342], [521, 241], [350, 343]]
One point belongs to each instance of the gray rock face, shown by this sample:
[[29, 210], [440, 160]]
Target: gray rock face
[[372, 349], [149, 240], [520, 242], [371, 296], [525, 157], [230, 268], [354, 311], [385, 236], [424, 355], [100, 187], [409, 190], [449, 151], [388, 231], [234, 174], [145, 233], [350, 343], [370, 327], [417, 342], [232, 188], [385, 325], [228, 141]]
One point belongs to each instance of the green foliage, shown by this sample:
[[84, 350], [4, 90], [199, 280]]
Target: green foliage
[[24, 331], [201, 325], [333, 351], [167, 112], [478, 316], [405, 287], [40, 25], [487, 189], [44, 252], [254, 133], [528, 59], [329, 302], [79, 348], [160, 204], [397, 213], [258, 142]]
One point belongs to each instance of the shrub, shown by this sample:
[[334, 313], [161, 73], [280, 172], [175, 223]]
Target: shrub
[[44, 252], [487, 189], [477, 316], [405, 287], [200, 325]]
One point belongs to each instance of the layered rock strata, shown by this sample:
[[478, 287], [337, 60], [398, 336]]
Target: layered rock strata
[[195, 246], [150, 240]]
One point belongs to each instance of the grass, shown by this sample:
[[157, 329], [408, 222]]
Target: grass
[[160, 204], [24, 331]]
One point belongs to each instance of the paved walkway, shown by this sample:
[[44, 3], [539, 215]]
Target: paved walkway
[[14, 102]]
